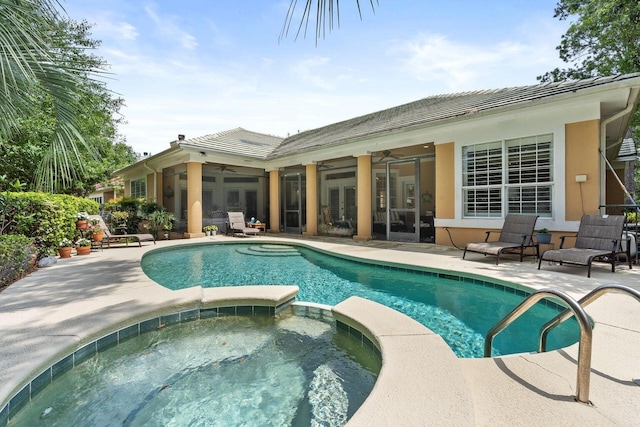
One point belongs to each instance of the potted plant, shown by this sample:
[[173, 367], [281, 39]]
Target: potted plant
[[160, 220], [82, 220], [543, 236], [210, 229], [83, 246], [119, 220], [97, 234], [95, 231], [64, 248]]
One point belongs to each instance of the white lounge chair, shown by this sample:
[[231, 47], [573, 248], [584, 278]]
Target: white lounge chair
[[238, 226]]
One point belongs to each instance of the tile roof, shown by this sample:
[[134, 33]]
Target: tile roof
[[237, 141], [432, 110], [628, 150]]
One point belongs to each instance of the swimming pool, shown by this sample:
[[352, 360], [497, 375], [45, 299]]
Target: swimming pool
[[231, 370], [460, 309]]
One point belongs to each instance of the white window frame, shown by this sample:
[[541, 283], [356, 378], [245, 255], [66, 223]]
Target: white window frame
[[508, 176], [139, 188]]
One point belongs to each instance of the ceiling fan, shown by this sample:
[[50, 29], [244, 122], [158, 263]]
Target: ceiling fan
[[386, 154], [323, 165], [224, 168]]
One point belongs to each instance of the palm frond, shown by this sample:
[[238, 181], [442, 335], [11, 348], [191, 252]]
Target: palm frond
[[30, 63], [326, 11]]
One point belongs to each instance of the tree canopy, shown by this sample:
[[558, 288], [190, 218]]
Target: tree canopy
[[603, 39], [57, 117]]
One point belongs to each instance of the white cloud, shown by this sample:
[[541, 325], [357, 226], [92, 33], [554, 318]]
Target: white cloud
[[168, 28], [455, 64], [313, 70], [127, 31], [107, 27], [470, 64]]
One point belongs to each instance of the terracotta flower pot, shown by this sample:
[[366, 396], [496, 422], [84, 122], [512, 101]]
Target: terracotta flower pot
[[65, 252], [82, 224], [83, 250], [97, 236]]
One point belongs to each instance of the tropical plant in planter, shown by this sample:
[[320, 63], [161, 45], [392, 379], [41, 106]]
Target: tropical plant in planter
[[64, 248], [160, 220], [83, 246], [543, 236]]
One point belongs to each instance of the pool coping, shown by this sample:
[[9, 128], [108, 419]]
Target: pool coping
[[420, 376], [44, 311]]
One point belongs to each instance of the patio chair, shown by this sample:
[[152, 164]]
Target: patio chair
[[116, 238], [238, 226], [515, 236], [599, 238]]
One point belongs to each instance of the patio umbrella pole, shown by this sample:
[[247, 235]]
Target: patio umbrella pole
[[626, 193]]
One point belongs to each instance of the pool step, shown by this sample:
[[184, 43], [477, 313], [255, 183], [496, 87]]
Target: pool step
[[269, 250]]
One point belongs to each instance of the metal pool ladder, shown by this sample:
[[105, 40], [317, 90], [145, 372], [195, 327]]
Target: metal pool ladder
[[576, 309]]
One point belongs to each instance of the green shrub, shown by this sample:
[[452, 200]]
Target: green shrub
[[46, 218], [134, 207], [17, 257]]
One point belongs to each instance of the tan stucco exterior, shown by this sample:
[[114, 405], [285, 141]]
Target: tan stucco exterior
[[194, 200], [159, 196], [274, 201], [445, 187], [151, 196], [581, 158], [364, 197], [312, 200]]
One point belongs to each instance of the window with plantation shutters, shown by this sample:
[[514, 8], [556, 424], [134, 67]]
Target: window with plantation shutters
[[511, 176], [529, 175]]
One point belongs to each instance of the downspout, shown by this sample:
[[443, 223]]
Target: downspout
[[155, 182], [603, 143]]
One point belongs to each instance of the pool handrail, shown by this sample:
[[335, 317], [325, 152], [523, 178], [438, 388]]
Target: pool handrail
[[586, 334], [584, 301]]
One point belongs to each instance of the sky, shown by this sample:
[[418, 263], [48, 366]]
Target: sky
[[197, 67]]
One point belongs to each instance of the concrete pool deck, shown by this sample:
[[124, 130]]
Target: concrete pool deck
[[58, 307]]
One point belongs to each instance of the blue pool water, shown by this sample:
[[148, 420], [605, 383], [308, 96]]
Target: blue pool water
[[228, 371], [461, 311]]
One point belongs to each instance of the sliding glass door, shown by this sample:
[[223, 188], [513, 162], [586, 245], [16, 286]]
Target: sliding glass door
[[403, 203]]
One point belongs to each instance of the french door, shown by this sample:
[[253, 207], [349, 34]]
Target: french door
[[342, 203]]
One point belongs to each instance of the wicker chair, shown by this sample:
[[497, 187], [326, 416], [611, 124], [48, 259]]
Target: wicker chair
[[515, 236], [598, 239]]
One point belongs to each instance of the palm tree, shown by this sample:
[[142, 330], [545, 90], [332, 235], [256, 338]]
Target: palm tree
[[326, 10], [33, 67]]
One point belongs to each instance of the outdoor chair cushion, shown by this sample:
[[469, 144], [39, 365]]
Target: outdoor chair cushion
[[598, 239], [516, 234]]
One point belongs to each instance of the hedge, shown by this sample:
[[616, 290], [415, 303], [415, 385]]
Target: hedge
[[46, 218], [17, 257]]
